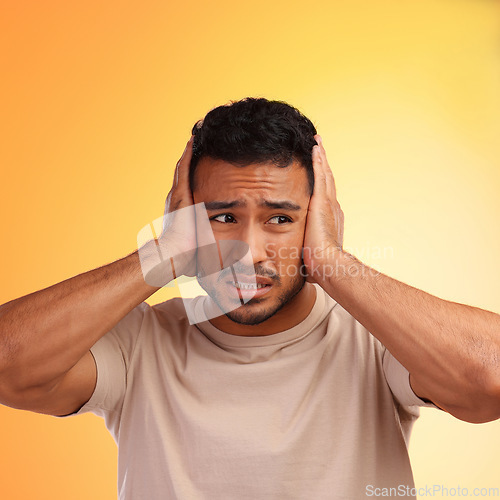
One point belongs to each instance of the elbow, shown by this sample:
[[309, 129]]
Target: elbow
[[489, 387], [492, 394], [21, 396], [483, 402], [476, 399]]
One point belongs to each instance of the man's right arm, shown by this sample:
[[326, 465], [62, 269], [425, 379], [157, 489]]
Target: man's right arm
[[45, 337]]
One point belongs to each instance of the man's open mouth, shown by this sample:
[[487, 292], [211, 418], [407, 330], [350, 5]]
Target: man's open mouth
[[249, 286], [253, 288]]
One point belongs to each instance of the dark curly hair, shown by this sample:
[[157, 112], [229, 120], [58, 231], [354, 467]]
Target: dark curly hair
[[254, 130]]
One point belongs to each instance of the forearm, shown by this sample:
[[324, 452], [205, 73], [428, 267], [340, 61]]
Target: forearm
[[45, 333], [452, 350]]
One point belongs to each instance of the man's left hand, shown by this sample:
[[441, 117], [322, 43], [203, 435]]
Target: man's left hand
[[324, 233]]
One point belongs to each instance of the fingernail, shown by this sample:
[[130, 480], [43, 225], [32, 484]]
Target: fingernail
[[320, 140]]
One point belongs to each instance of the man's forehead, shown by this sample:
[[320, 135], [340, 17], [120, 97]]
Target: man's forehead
[[223, 180], [212, 166]]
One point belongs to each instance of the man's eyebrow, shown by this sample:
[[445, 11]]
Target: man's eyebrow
[[221, 205], [283, 204], [280, 204]]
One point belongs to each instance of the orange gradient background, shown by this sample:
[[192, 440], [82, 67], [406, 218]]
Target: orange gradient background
[[97, 103]]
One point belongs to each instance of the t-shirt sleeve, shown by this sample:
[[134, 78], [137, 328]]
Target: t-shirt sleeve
[[113, 354], [398, 379]]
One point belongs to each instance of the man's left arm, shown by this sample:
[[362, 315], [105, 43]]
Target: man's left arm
[[451, 350]]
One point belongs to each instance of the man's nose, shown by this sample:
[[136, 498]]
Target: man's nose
[[257, 241]]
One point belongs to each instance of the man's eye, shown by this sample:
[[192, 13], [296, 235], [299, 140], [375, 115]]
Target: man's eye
[[224, 218], [280, 219]]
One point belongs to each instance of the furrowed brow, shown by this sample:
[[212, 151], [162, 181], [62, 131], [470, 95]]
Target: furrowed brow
[[222, 205], [281, 204]]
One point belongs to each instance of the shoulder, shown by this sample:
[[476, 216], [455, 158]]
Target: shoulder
[[340, 318], [175, 310], [346, 331], [171, 319], [145, 323]]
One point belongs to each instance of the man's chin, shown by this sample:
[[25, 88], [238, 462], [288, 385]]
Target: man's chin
[[253, 312], [258, 309], [249, 314]]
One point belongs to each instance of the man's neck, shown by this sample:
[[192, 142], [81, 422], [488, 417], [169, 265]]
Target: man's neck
[[290, 315]]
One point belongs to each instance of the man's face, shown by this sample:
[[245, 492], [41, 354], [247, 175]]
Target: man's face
[[266, 207]]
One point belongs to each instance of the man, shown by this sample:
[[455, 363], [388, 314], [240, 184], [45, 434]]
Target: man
[[303, 369]]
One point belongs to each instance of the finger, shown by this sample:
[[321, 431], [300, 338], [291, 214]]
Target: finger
[[180, 194], [182, 167], [181, 159], [325, 165], [319, 174], [329, 179], [204, 233]]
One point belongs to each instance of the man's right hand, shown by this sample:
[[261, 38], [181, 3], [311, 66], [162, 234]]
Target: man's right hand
[[185, 228]]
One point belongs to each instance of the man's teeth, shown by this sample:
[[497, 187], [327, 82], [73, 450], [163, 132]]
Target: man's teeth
[[249, 286]]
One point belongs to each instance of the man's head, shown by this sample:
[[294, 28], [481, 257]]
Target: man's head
[[254, 130], [252, 167]]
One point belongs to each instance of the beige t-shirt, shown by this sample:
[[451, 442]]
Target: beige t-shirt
[[319, 411]]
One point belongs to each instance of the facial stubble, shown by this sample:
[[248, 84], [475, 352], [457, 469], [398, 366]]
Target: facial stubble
[[245, 314]]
